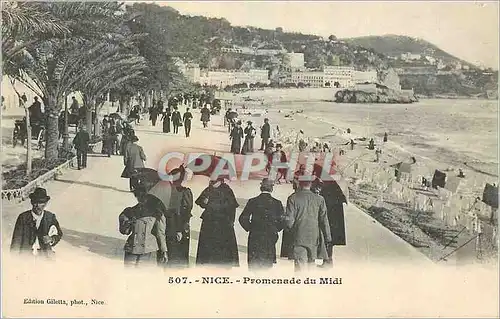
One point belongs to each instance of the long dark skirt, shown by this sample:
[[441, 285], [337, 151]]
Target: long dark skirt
[[235, 145], [217, 244], [166, 125], [337, 225], [287, 245], [178, 251], [261, 250], [247, 146]]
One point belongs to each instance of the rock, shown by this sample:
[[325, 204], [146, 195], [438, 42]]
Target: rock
[[383, 94]]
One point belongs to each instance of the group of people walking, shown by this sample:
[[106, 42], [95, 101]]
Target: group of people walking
[[312, 223]]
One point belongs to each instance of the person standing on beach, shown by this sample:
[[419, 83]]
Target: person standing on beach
[[236, 136], [279, 156], [301, 141], [249, 137], [385, 137], [306, 218], [186, 118], [176, 120], [262, 218], [265, 134]]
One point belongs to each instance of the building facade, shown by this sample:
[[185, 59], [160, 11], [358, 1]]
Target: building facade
[[313, 79], [343, 75], [223, 78]]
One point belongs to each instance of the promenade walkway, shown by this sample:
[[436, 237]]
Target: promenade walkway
[[88, 203]]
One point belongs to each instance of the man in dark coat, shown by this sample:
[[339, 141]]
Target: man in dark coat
[[176, 119], [36, 230], [217, 242], [335, 199], [262, 217], [35, 110], [133, 158], [153, 114], [265, 134], [186, 118], [236, 136], [306, 218], [205, 115], [81, 142]]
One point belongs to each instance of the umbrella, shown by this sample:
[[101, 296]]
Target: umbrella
[[146, 176], [232, 115]]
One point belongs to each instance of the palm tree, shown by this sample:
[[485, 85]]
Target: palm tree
[[50, 64]]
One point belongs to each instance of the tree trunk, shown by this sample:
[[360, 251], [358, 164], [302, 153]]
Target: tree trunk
[[88, 116], [51, 128], [96, 122]]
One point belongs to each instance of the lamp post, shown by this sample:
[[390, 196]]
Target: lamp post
[[65, 133]]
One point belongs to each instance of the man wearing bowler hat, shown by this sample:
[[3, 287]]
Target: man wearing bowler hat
[[36, 230], [263, 218]]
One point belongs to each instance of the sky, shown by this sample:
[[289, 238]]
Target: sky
[[468, 30]]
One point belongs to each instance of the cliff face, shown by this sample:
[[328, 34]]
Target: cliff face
[[382, 95]]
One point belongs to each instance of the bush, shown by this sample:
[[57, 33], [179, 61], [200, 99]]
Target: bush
[[17, 178]]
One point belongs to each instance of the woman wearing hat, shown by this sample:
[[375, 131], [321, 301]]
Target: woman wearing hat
[[133, 158], [36, 230], [250, 133], [178, 249], [236, 136], [145, 224], [217, 242]]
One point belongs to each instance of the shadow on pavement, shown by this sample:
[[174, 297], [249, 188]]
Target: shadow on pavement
[[105, 246], [92, 185]]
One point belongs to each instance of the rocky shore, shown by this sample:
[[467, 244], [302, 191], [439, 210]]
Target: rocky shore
[[379, 95]]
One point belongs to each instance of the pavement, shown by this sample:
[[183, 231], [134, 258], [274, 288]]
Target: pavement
[[383, 275], [88, 202]]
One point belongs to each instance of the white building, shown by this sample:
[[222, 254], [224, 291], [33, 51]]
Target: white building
[[193, 72], [223, 78], [410, 56], [344, 75], [313, 79], [296, 60], [365, 76]]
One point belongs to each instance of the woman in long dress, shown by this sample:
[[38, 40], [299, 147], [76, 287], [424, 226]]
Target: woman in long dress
[[217, 242], [249, 137], [236, 136], [335, 199], [166, 121]]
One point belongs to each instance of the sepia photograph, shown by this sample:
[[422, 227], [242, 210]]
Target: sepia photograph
[[249, 159]]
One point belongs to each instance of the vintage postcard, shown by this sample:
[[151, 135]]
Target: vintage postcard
[[249, 159]]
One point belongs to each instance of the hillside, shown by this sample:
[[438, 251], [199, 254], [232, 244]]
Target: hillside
[[215, 43], [395, 45]]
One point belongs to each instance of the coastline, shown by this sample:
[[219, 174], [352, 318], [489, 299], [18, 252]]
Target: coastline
[[429, 231]]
